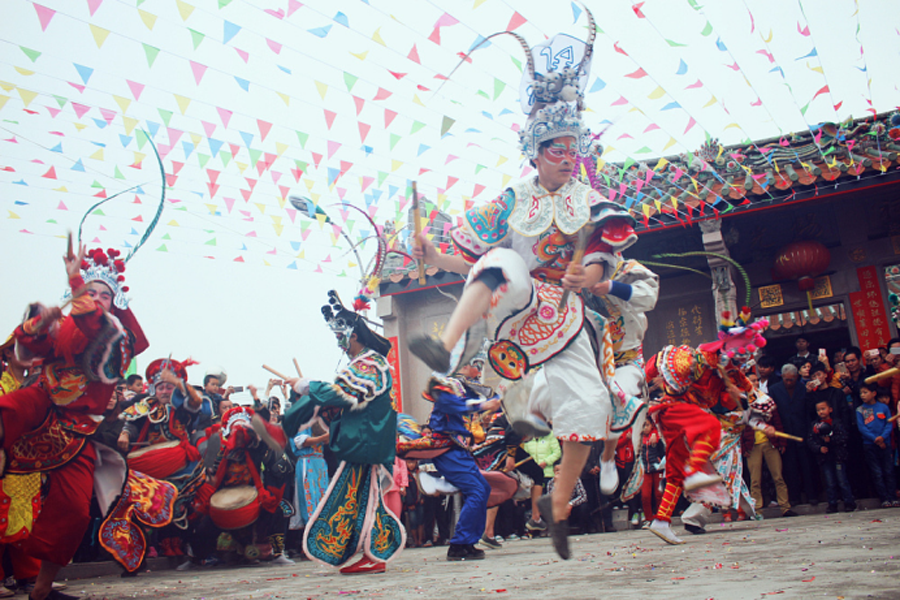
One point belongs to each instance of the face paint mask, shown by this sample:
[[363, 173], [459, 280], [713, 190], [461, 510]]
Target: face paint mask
[[556, 152]]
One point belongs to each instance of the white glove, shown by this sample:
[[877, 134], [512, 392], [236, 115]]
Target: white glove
[[302, 386], [299, 439]]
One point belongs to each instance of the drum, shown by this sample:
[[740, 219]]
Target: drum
[[159, 460], [235, 507]]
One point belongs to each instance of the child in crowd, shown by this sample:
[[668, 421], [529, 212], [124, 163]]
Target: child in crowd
[[872, 420], [827, 439], [653, 456], [414, 507], [579, 495]]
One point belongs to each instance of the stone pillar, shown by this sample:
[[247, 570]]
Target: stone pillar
[[724, 291]]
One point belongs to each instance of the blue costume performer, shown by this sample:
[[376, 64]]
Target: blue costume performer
[[453, 398]]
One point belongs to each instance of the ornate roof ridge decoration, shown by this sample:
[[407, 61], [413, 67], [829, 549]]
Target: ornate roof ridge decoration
[[716, 179]]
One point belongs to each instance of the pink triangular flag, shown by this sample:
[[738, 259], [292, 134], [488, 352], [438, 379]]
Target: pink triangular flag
[[229, 203], [359, 104], [174, 136], [276, 175], [516, 21], [332, 148], [108, 115], [363, 131], [93, 5], [50, 174], [53, 111], [136, 88], [209, 128], [264, 128], [244, 55], [275, 46], [77, 86], [388, 117], [199, 70], [293, 5], [382, 94], [414, 55], [225, 115], [44, 15], [329, 117], [80, 109]]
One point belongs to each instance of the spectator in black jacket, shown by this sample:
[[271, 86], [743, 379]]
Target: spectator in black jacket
[[828, 437], [790, 397]]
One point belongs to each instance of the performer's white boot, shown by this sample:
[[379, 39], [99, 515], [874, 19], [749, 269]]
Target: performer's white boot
[[664, 531], [699, 479], [609, 477]]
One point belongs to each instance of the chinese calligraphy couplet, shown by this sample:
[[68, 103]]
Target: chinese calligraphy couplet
[[868, 310]]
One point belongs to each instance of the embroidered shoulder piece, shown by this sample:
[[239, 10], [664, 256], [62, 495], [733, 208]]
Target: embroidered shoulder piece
[[536, 209], [448, 385], [367, 377], [148, 407]]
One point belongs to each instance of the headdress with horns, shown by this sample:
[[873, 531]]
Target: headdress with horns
[[344, 322]]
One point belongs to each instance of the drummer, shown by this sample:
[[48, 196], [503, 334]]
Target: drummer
[[453, 398], [156, 432]]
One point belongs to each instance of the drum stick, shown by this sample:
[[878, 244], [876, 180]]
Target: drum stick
[[883, 375], [788, 436], [276, 373], [894, 418], [522, 462], [417, 227], [297, 366]]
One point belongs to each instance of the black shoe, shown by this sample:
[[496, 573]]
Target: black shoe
[[694, 529], [559, 530], [431, 352], [464, 552], [789, 513], [832, 508], [849, 506]]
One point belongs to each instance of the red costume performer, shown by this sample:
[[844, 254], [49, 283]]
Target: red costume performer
[[693, 383], [47, 458]]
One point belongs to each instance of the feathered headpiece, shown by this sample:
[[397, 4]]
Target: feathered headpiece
[[344, 322], [738, 338], [552, 93], [155, 369]]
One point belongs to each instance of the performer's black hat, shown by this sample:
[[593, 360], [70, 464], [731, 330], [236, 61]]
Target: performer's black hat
[[343, 321]]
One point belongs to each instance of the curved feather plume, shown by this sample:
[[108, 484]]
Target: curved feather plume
[[152, 225], [727, 259], [522, 42], [382, 243], [159, 208]]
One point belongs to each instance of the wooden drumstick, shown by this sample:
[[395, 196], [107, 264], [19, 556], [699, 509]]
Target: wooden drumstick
[[894, 418], [522, 462], [297, 366], [883, 375], [275, 373], [417, 228], [788, 436]]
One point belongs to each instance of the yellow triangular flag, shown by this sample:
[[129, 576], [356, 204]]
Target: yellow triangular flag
[[261, 207], [212, 208], [309, 185], [285, 98], [712, 101], [7, 86], [173, 223], [27, 96], [139, 157], [241, 166], [61, 188], [281, 148], [670, 143], [658, 93], [182, 102], [501, 160], [395, 164], [302, 254], [321, 219], [130, 124], [13, 215], [80, 126], [361, 55], [376, 37], [25, 72], [278, 229], [323, 89], [149, 19], [99, 35], [123, 103], [98, 155], [266, 263], [196, 138], [506, 179], [662, 163], [478, 3], [315, 197], [281, 202], [3, 100], [416, 100], [184, 9]]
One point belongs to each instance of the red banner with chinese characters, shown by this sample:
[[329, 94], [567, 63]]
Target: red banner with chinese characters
[[393, 358], [868, 310]]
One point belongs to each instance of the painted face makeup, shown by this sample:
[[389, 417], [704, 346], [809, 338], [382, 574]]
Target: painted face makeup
[[561, 149]]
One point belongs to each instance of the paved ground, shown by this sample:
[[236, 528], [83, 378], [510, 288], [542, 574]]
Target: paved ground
[[826, 556]]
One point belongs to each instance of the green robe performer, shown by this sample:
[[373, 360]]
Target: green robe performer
[[352, 517]]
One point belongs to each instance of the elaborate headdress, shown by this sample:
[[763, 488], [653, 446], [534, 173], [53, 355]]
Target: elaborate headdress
[[109, 269], [155, 369], [344, 322], [552, 88], [679, 367], [739, 339]]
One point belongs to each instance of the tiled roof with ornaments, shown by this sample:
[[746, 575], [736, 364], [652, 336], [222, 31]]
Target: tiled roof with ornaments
[[715, 180]]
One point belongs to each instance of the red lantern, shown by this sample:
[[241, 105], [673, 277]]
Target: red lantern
[[803, 261]]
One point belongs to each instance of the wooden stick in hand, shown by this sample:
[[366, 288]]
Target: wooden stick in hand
[[297, 366], [417, 227], [275, 373]]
